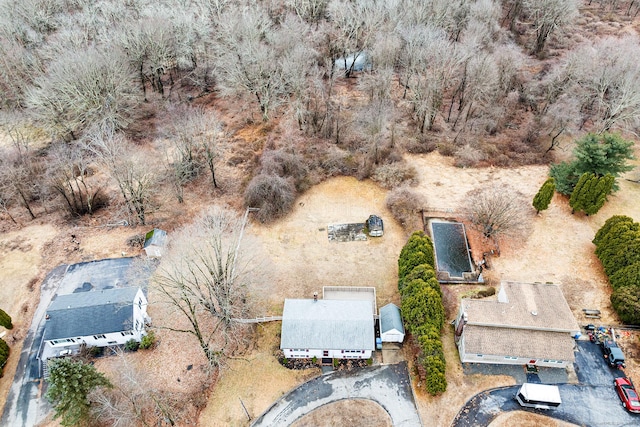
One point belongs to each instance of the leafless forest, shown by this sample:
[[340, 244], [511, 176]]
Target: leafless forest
[[103, 103]]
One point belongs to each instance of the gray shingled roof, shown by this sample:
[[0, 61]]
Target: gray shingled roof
[[155, 237], [327, 325], [390, 319], [90, 313]]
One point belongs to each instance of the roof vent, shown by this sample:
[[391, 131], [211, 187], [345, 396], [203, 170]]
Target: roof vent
[[535, 313]]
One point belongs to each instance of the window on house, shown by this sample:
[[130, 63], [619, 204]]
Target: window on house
[[98, 337], [140, 303], [137, 325]]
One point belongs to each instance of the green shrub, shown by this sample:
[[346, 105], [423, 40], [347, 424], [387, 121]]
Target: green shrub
[[132, 345], [314, 360], [421, 305], [418, 250], [422, 271], [5, 319], [626, 302], [566, 176], [627, 276], [96, 351], [543, 197], [148, 340], [486, 292], [436, 381], [4, 355], [609, 225]]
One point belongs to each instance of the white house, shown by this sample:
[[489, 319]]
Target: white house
[[95, 319], [327, 329], [155, 242], [528, 324], [391, 327]]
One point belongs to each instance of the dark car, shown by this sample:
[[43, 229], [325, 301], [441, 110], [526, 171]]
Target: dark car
[[375, 226], [612, 354], [627, 393]]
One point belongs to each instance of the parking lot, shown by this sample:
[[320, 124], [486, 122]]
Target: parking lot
[[593, 402]]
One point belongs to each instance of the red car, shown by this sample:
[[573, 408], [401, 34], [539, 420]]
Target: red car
[[627, 393]]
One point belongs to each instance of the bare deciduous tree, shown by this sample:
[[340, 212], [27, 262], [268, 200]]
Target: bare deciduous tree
[[204, 278], [83, 89], [497, 211], [131, 171], [604, 78], [67, 173], [548, 16]]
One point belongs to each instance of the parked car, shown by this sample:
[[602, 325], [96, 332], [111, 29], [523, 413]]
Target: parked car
[[613, 354], [375, 226], [627, 393]]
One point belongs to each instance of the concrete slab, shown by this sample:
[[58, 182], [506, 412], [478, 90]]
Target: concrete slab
[[392, 353]]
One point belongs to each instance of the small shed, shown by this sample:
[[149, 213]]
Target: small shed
[[391, 328], [154, 242]]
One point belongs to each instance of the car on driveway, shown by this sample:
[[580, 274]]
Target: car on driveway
[[627, 393]]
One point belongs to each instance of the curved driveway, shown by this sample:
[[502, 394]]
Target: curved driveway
[[592, 403], [387, 385]]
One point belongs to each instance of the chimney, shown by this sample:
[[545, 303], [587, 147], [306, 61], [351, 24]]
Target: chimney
[[315, 296]]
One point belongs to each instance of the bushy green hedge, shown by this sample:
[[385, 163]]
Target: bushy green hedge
[[422, 308], [618, 248], [418, 250], [4, 355]]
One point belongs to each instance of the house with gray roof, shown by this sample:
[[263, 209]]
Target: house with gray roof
[[327, 329], [528, 324], [96, 319], [391, 327]]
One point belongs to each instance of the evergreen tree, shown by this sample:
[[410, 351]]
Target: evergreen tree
[[543, 197], [4, 355], [70, 383], [5, 319], [579, 192], [599, 189], [603, 154], [600, 154]]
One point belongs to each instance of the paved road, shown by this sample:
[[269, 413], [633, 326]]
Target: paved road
[[387, 385], [592, 403]]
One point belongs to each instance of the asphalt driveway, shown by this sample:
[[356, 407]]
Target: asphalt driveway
[[387, 385], [592, 403]]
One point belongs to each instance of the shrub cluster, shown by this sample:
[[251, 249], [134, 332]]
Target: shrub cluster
[[618, 248], [422, 308], [4, 355], [148, 340], [5, 319]]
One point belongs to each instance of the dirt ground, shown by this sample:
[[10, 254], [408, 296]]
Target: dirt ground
[[302, 260]]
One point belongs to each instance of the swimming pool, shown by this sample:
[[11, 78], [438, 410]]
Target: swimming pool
[[452, 253]]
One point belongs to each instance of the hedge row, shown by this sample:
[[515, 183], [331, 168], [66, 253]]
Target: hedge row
[[422, 308], [4, 354], [618, 248]]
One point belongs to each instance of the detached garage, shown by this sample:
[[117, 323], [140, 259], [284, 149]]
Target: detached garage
[[391, 328]]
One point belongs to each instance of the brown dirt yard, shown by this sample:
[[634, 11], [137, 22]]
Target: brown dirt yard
[[302, 260]]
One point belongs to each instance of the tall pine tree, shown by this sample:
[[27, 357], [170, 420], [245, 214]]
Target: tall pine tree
[[542, 199]]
